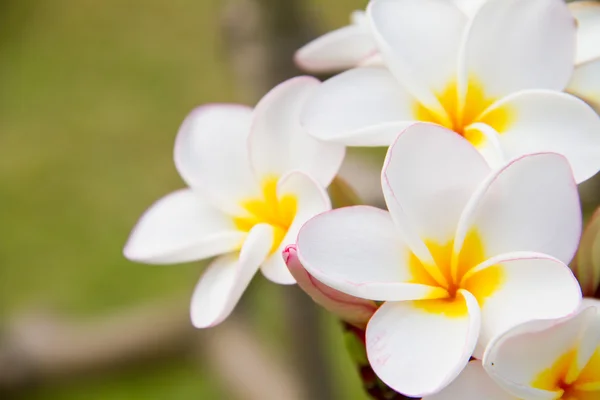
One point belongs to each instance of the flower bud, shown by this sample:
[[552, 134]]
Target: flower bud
[[586, 265], [350, 309]]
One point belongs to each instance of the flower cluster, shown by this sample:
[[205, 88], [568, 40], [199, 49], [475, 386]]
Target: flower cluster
[[462, 286]]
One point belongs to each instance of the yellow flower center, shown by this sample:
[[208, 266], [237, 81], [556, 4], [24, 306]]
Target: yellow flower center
[[571, 382], [277, 211], [459, 117], [451, 273]]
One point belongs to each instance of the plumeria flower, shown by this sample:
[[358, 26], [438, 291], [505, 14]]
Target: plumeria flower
[[550, 359], [354, 310], [463, 254], [496, 79], [585, 82], [254, 178], [352, 45]]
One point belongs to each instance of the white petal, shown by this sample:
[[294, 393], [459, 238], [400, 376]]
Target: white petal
[[589, 345], [432, 172], [473, 384], [409, 232], [513, 45], [419, 41], [361, 107], [587, 14], [374, 61], [518, 357], [531, 204], [225, 280], [587, 302], [585, 82], [418, 351], [550, 121], [469, 7], [359, 251], [278, 144], [518, 287], [211, 153], [181, 227], [274, 269], [337, 50], [489, 147], [311, 200]]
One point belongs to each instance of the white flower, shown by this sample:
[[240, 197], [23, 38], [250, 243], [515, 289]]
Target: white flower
[[496, 79], [250, 176], [463, 255], [351, 45], [550, 359]]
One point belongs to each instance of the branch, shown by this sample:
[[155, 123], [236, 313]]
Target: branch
[[41, 348]]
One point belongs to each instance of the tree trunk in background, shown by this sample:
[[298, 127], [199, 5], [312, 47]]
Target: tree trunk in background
[[261, 37]]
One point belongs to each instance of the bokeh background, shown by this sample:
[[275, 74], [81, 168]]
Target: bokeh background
[[91, 96]]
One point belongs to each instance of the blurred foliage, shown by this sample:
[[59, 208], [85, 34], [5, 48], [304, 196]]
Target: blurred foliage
[[586, 264], [92, 94]]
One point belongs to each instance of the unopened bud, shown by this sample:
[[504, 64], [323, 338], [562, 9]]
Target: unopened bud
[[350, 309], [586, 265]]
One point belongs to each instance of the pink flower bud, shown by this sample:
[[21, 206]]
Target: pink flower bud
[[350, 309]]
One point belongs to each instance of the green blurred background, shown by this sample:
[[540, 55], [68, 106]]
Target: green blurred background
[[91, 96]]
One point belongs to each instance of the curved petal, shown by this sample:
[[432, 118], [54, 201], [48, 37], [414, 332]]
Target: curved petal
[[585, 82], [473, 384], [311, 199], [374, 61], [489, 144], [518, 287], [274, 269], [358, 251], [211, 153], [469, 7], [588, 352], [542, 121], [181, 227], [587, 302], [225, 280], [432, 172], [348, 308], [361, 107], [419, 347], [587, 14], [410, 233], [337, 50], [513, 45], [277, 142], [524, 360], [531, 204], [419, 41], [588, 357]]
